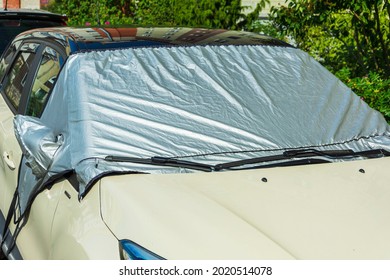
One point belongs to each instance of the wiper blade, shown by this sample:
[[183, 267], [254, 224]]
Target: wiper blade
[[337, 153], [314, 152], [304, 153], [163, 161], [297, 162]]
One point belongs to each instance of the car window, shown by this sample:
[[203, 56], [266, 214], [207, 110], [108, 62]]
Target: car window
[[7, 58], [17, 76], [43, 82]]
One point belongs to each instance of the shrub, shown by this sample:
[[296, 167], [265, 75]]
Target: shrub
[[373, 89]]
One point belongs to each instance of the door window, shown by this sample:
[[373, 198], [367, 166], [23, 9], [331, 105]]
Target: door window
[[16, 79], [43, 82], [7, 58]]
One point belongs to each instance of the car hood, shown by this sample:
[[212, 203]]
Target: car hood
[[323, 211]]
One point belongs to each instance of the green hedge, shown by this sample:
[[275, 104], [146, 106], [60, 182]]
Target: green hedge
[[373, 89]]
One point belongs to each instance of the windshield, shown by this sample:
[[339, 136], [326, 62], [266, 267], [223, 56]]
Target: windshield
[[201, 104]]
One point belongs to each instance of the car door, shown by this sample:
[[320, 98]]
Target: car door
[[25, 89], [17, 64]]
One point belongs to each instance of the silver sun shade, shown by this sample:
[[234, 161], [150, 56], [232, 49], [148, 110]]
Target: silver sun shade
[[208, 104]]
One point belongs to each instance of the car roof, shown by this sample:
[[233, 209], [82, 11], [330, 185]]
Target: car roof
[[15, 21], [31, 14], [97, 38]]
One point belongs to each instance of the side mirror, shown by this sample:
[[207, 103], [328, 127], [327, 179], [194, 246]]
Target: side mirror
[[38, 142]]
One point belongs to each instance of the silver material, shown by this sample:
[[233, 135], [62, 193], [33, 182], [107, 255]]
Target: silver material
[[208, 104]]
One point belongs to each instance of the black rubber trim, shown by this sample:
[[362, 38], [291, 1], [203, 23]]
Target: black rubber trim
[[14, 254]]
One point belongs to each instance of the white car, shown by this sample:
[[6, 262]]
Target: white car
[[180, 143]]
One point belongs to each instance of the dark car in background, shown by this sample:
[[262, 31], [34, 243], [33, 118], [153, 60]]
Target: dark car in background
[[15, 21]]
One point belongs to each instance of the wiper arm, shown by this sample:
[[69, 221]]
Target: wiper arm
[[163, 161], [304, 153]]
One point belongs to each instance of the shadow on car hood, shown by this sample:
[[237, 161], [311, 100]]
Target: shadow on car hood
[[324, 211]]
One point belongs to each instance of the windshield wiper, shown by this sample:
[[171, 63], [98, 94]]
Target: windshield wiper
[[307, 154], [163, 161], [376, 153], [303, 153]]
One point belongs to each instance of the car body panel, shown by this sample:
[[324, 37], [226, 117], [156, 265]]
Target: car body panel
[[78, 230], [10, 153], [62, 227], [322, 211], [34, 241], [92, 39]]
